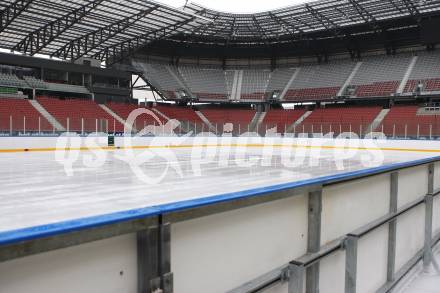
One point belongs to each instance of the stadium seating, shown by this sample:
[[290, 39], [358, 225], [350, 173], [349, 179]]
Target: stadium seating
[[341, 119], [22, 115], [426, 71], [380, 76], [319, 81], [281, 119], [161, 77], [11, 80], [254, 84], [80, 115], [123, 110], [205, 83], [184, 114], [404, 121], [218, 117]]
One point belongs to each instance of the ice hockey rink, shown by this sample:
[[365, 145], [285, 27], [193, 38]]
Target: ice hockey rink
[[38, 188], [47, 192]]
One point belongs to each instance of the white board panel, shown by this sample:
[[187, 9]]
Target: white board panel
[[332, 274], [410, 235], [437, 176], [372, 260], [349, 206], [224, 251], [107, 266], [413, 183]]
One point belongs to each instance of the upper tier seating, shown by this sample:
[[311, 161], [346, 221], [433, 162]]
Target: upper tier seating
[[205, 83], [281, 119], [426, 71], [338, 120], [319, 81], [80, 115], [380, 76], [161, 77], [254, 84], [35, 82], [12, 81], [22, 115], [404, 121]]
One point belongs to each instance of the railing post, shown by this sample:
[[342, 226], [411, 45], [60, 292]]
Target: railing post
[[429, 201], [39, 125], [154, 270], [392, 226], [351, 246], [82, 126], [10, 124], [24, 125], [314, 238], [296, 278]]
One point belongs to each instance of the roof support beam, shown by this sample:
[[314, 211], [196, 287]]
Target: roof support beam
[[11, 12], [325, 21], [83, 45], [363, 13], [412, 8], [127, 48], [40, 38]]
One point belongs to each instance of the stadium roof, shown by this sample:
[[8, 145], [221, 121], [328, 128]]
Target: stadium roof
[[92, 28], [294, 21], [111, 30]]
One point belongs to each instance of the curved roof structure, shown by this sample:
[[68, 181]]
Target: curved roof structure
[[112, 30], [93, 28], [295, 21]]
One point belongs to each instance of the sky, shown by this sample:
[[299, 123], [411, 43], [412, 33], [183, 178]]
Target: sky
[[240, 6]]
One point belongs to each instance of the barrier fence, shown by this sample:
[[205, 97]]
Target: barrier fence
[[23, 125]]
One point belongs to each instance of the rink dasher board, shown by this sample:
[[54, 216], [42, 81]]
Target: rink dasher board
[[34, 240]]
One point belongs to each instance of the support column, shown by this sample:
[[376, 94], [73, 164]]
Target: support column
[[296, 278], [351, 246], [429, 202], [314, 239], [392, 227], [154, 264]]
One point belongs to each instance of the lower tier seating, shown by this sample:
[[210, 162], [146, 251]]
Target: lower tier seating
[[281, 119], [338, 120], [403, 121], [19, 115], [80, 115]]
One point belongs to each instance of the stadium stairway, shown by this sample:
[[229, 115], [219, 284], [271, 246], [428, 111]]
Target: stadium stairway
[[256, 121], [299, 121], [116, 116], [206, 121], [184, 126], [55, 124], [378, 120]]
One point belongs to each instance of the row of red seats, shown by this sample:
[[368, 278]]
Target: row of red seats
[[311, 94], [222, 116], [338, 120], [281, 119], [404, 121], [429, 85], [20, 115], [377, 89], [142, 120], [211, 96], [80, 114]]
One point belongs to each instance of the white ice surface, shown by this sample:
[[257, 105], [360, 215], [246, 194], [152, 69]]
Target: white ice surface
[[35, 190]]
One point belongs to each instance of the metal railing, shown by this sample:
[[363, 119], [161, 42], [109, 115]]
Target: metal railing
[[23, 125]]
